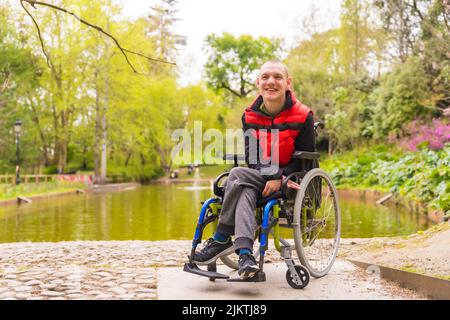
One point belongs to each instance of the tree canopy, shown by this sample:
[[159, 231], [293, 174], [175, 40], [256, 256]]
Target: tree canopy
[[98, 95], [233, 61]]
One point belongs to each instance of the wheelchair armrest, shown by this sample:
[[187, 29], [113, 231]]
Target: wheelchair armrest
[[235, 157], [318, 124], [262, 202], [219, 190], [306, 155]]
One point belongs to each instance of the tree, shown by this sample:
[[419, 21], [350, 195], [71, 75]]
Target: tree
[[20, 71], [354, 33], [402, 20], [233, 61], [90, 105], [167, 42], [314, 68], [401, 97], [435, 48]]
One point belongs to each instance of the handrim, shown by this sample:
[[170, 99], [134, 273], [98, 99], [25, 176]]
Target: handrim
[[302, 250]]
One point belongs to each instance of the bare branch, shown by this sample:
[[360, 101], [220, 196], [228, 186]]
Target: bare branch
[[123, 50], [47, 57], [414, 7], [226, 87], [149, 58]]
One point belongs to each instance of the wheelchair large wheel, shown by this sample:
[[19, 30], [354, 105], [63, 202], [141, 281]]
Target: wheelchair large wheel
[[317, 222], [231, 261]]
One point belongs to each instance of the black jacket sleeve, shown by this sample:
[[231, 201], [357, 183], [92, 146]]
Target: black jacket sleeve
[[249, 142], [305, 141]]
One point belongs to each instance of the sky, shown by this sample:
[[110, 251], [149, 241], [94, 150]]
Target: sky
[[270, 18]]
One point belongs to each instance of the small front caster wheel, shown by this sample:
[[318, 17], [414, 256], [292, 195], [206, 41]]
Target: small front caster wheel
[[299, 280]]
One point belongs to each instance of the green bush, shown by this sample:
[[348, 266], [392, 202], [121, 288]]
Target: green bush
[[50, 170], [402, 96], [422, 175]]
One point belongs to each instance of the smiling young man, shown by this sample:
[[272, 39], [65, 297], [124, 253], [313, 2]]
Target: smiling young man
[[286, 126]]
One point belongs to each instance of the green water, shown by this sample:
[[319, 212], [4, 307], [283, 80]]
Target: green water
[[162, 212]]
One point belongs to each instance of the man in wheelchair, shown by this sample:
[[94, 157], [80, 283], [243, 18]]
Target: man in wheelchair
[[275, 108]]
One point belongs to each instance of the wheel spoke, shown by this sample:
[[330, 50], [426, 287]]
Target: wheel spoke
[[320, 233]]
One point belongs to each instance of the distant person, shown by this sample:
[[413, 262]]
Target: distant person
[[190, 169], [276, 107], [174, 174]]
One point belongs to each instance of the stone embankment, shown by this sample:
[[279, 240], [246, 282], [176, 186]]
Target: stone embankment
[[87, 269], [83, 270]]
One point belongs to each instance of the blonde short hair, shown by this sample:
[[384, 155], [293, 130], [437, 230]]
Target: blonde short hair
[[276, 61]]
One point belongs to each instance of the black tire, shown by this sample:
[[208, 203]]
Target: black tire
[[303, 279], [231, 260], [317, 222]]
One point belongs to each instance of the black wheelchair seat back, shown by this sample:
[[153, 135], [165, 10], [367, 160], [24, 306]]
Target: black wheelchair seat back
[[219, 184]]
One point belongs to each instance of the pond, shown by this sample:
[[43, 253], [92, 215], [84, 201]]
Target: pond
[[166, 211]]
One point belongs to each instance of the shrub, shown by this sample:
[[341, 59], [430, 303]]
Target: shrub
[[418, 135], [423, 175]]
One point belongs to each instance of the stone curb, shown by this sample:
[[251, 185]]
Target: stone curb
[[430, 286]]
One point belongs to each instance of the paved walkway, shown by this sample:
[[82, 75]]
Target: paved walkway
[[153, 270], [345, 281]]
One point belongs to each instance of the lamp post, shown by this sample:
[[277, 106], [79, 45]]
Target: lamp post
[[17, 130]]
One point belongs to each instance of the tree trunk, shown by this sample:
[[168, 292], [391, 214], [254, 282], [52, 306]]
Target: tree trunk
[[127, 160], [103, 164], [355, 67], [143, 160], [103, 167], [97, 132]]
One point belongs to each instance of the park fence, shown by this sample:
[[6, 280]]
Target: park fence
[[41, 178]]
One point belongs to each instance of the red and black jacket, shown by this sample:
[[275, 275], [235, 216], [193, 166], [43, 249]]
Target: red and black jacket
[[295, 124]]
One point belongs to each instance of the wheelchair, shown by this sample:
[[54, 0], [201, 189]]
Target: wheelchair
[[312, 213]]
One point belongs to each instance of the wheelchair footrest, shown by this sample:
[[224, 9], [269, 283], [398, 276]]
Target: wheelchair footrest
[[193, 268], [259, 277]]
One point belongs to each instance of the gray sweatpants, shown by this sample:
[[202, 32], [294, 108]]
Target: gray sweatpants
[[243, 188]]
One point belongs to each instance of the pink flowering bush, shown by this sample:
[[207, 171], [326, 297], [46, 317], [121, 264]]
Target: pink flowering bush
[[434, 135]]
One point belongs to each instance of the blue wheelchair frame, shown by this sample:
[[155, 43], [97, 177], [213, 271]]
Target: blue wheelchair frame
[[297, 275], [271, 204]]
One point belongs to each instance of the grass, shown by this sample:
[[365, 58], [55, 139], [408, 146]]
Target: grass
[[442, 276], [421, 235], [11, 192], [411, 268], [374, 245]]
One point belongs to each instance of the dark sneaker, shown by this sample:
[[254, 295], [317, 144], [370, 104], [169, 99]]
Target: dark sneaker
[[212, 250], [247, 266]]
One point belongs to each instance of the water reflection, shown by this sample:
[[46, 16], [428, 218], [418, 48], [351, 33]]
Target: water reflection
[[162, 212]]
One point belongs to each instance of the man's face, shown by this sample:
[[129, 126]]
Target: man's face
[[273, 82]]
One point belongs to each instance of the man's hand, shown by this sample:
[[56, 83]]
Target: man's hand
[[275, 185], [271, 187], [446, 112]]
